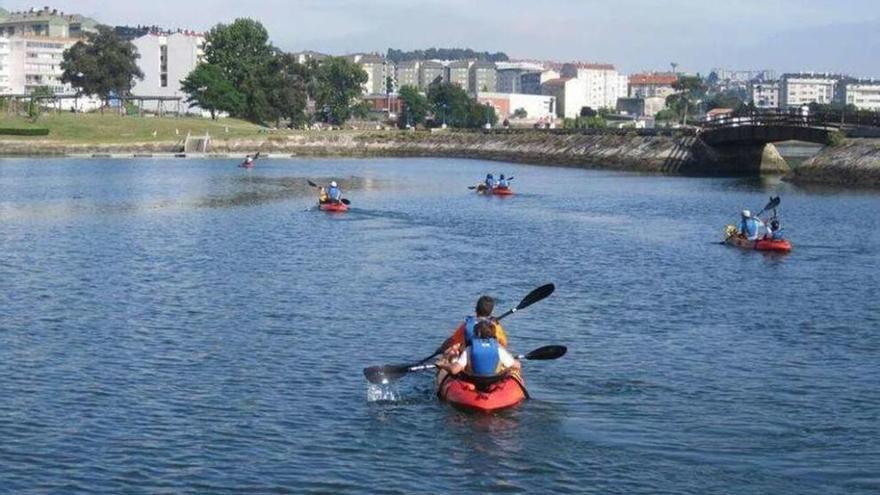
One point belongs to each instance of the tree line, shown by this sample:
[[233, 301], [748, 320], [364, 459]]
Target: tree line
[[241, 74]]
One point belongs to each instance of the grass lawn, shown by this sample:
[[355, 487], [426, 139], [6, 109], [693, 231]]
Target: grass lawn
[[114, 128]]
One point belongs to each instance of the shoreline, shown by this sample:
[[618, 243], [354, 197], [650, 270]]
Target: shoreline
[[855, 163]]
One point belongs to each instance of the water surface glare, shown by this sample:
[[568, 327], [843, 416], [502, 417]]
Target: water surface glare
[[186, 326]]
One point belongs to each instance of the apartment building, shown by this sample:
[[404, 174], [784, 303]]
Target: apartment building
[[864, 94], [796, 90], [652, 85], [459, 73], [407, 74], [45, 22], [5, 60], [377, 70], [765, 94], [33, 62], [603, 84], [482, 77], [430, 71], [166, 59]]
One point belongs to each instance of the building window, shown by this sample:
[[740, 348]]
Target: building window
[[164, 80]]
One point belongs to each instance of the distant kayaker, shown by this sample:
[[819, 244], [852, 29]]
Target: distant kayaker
[[465, 331], [484, 356], [749, 226], [502, 182], [334, 194], [490, 181]]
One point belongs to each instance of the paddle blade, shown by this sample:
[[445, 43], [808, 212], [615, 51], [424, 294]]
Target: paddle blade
[[547, 352], [385, 374], [311, 183], [345, 201], [536, 295], [472, 187]]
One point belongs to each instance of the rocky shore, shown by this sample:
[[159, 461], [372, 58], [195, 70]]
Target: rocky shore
[[855, 162]]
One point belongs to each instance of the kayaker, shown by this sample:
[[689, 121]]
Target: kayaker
[[502, 182], [484, 357], [749, 227], [464, 333], [322, 195], [490, 181], [334, 194], [774, 230]]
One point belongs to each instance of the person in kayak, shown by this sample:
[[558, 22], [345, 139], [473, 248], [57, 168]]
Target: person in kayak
[[502, 182], [484, 356], [774, 230], [749, 227], [322, 195], [334, 194], [490, 181], [464, 333]]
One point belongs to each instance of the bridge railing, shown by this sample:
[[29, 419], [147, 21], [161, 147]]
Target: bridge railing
[[834, 119]]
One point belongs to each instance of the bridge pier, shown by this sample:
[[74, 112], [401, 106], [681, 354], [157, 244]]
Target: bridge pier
[[735, 159]]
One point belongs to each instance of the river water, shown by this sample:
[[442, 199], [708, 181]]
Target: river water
[[185, 326]]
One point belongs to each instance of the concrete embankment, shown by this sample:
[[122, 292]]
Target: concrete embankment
[[629, 151], [855, 162]]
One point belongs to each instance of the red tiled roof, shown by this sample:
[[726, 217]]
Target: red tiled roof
[[656, 79]]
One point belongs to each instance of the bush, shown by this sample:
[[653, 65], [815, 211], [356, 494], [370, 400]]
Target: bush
[[835, 138], [24, 132]]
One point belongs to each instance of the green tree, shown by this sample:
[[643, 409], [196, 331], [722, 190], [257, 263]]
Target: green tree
[[414, 108], [450, 104], [520, 113], [240, 50], [103, 65], [335, 87], [39, 95], [207, 87], [689, 91], [287, 83]]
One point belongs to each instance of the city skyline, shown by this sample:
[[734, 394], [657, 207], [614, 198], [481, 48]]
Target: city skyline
[[635, 35]]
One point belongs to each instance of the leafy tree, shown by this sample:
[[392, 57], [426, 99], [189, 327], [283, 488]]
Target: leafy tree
[[450, 104], [520, 113], [690, 89], [240, 50], [336, 86], [725, 99], [103, 65], [588, 112], [35, 104], [414, 108], [285, 83], [207, 87]]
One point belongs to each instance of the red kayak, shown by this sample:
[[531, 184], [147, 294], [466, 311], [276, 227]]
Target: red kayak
[[508, 392], [246, 165], [502, 191], [333, 207], [773, 245]]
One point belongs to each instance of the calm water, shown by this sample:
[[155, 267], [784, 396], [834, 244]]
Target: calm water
[[188, 326]]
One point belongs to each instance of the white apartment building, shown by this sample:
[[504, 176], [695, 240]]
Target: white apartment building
[[377, 70], [796, 90], [865, 95], [604, 85], [765, 94], [5, 87], [31, 62], [166, 60]]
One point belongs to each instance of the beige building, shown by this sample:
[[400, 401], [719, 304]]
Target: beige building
[[377, 71], [407, 74], [45, 22], [765, 94]]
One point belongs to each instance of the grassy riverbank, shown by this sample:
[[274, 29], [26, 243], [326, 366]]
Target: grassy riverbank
[[95, 128]]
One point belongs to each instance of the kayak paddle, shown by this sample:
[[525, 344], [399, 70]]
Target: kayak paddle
[[389, 373], [532, 297], [774, 202]]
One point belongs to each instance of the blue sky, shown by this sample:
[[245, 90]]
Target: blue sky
[[785, 35]]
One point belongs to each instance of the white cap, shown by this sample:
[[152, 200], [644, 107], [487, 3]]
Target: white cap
[[333, 183], [747, 213]]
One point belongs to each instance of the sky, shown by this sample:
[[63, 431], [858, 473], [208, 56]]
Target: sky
[[841, 36]]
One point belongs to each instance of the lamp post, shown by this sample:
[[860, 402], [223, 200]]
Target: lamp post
[[78, 76], [444, 115]]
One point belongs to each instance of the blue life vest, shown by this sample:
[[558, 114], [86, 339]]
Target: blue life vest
[[503, 183], [749, 227], [334, 193], [490, 183], [483, 357]]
